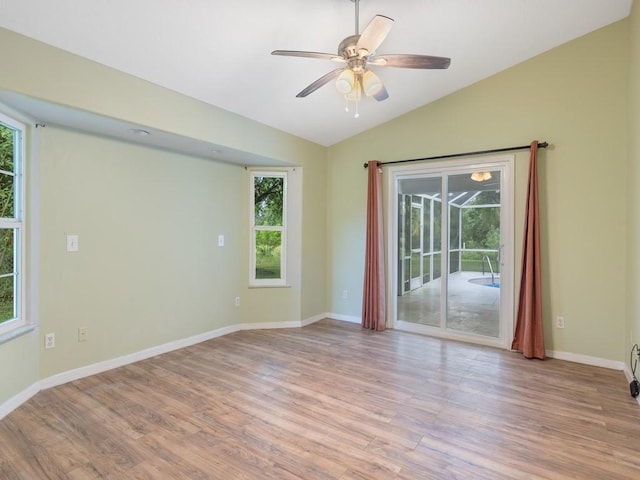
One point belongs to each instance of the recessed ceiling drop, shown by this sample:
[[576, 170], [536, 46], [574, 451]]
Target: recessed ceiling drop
[[139, 132]]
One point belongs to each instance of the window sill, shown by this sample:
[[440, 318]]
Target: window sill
[[269, 286], [16, 332]]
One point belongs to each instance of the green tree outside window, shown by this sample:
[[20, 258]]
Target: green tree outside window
[[269, 223], [7, 235]]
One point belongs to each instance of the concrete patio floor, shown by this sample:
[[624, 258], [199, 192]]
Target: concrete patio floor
[[471, 308]]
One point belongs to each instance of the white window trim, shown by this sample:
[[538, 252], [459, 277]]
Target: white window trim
[[12, 328], [268, 282]]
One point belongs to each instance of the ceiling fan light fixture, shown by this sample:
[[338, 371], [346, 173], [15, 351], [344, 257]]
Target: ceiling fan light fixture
[[371, 83], [480, 176], [358, 51], [345, 81], [356, 92]]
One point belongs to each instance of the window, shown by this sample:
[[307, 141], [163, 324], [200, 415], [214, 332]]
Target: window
[[11, 223], [268, 228]]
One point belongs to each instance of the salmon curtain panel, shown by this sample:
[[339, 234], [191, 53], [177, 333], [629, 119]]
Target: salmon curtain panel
[[373, 298], [529, 338]]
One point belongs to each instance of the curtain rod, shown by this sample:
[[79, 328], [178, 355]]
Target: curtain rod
[[466, 154]]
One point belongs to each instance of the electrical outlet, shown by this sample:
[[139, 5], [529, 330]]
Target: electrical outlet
[[50, 340], [345, 294], [83, 334], [559, 322], [237, 301]]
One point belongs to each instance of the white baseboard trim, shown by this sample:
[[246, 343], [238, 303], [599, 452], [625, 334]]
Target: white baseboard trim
[[99, 367], [269, 325], [344, 318], [291, 324], [14, 402], [314, 319], [586, 360]]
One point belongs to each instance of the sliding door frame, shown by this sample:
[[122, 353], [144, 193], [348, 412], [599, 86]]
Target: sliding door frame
[[503, 163]]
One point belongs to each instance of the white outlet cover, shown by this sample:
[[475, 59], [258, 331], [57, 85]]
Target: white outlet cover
[[221, 240]]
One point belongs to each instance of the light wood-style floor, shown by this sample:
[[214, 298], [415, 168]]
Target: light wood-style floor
[[329, 401]]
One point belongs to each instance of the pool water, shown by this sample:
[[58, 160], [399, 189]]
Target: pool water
[[486, 281]]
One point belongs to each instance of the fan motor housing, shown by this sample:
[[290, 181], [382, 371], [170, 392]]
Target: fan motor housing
[[348, 47]]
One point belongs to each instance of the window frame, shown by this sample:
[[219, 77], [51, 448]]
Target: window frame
[[268, 282], [18, 223]]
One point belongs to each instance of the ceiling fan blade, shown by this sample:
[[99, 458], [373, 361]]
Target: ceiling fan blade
[[320, 82], [299, 53], [401, 60], [375, 33], [382, 94]]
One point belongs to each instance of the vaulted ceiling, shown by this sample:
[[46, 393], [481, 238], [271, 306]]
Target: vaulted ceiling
[[219, 51]]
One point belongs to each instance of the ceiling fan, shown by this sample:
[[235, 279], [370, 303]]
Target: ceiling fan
[[358, 52]]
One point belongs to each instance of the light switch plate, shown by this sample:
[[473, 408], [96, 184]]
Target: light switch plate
[[73, 243]]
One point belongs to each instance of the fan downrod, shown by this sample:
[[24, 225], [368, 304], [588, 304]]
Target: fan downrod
[[357, 2]]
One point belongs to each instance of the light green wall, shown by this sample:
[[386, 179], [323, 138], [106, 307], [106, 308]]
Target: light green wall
[[20, 360], [149, 270], [633, 198], [314, 228], [574, 97]]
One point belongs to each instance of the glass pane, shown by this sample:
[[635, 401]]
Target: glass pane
[[7, 188], [415, 228], [490, 197], [437, 225], [7, 236], [415, 265], [473, 295], [454, 227], [426, 226], [481, 227], [420, 299], [269, 197], [471, 261], [407, 274], [7, 295], [407, 225], [268, 254], [437, 265], [454, 261], [426, 268], [401, 241], [400, 223]]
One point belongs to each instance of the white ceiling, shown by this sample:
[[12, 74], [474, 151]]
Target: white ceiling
[[219, 51]]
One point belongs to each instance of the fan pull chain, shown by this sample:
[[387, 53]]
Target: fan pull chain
[[346, 106]]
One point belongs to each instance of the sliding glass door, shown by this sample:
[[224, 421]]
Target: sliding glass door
[[453, 251]]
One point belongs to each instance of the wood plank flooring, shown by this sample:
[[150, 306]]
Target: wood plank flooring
[[329, 401]]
